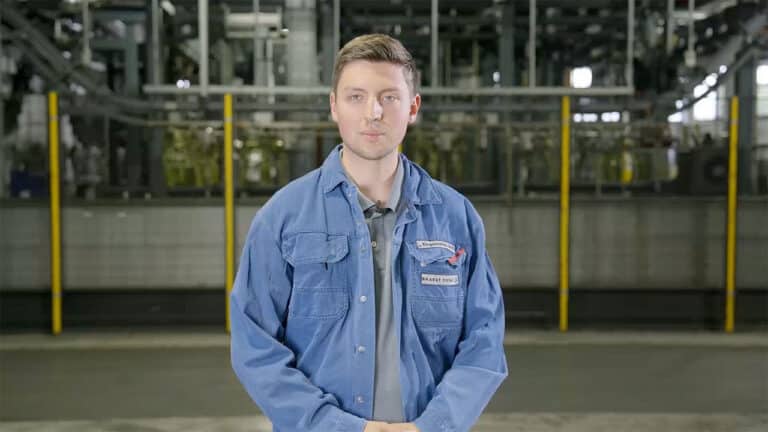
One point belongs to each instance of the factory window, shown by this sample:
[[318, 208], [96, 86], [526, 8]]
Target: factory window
[[762, 75], [762, 90], [581, 77], [705, 109]]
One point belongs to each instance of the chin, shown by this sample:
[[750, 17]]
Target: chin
[[365, 151]]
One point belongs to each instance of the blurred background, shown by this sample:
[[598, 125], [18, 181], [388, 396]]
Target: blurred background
[[617, 151]]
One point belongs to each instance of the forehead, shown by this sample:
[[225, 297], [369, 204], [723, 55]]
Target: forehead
[[370, 75]]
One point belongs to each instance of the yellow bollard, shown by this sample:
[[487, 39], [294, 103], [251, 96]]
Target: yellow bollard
[[565, 185], [730, 248], [229, 210], [53, 170]]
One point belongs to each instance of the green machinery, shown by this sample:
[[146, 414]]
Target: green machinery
[[192, 158], [261, 160], [442, 153]]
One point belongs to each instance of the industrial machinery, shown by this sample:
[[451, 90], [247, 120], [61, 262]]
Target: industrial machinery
[[421, 147], [137, 62], [192, 158], [262, 160]]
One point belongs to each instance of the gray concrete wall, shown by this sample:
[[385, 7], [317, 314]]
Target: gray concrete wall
[[661, 243]]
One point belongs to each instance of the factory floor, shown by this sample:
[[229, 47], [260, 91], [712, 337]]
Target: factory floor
[[133, 381]]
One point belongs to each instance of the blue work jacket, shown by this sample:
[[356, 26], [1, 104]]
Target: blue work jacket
[[303, 303]]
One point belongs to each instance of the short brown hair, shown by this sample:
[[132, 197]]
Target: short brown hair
[[376, 48]]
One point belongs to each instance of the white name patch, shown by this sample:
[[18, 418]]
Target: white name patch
[[425, 244], [435, 279]]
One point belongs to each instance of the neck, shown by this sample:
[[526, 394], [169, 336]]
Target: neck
[[374, 178]]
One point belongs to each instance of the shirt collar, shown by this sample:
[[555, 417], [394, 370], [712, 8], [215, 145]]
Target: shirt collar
[[394, 195], [416, 184]]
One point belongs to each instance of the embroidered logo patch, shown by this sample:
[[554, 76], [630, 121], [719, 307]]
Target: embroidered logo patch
[[435, 279], [425, 244]]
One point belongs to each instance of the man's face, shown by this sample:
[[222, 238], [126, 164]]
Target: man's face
[[373, 106]]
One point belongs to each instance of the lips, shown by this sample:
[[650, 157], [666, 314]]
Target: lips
[[372, 133]]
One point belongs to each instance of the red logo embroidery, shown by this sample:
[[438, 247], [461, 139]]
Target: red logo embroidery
[[455, 258]]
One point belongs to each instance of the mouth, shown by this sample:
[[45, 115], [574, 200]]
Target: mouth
[[372, 133]]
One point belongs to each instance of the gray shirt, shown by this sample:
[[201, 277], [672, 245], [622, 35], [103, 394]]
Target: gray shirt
[[387, 398]]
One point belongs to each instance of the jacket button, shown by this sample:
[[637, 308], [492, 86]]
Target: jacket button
[[363, 299], [360, 349], [359, 399]]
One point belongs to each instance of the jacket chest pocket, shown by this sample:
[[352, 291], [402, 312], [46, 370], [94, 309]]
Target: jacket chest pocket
[[437, 284], [319, 275]]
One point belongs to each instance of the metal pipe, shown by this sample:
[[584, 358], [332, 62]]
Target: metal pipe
[[86, 55], [256, 48], [670, 25], [2, 114], [270, 69], [336, 26], [202, 29], [691, 49], [745, 55], [532, 44], [430, 91], [241, 23], [155, 48], [630, 43], [434, 30]]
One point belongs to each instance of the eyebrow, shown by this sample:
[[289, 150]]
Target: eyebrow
[[389, 89]]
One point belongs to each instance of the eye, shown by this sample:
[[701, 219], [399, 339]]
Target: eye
[[355, 97], [390, 98]]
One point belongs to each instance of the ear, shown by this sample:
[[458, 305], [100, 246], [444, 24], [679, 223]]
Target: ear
[[332, 98], [414, 108]]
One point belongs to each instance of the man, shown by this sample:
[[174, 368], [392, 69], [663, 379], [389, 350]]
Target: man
[[365, 300]]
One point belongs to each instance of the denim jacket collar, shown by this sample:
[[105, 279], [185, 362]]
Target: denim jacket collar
[[417, 185]]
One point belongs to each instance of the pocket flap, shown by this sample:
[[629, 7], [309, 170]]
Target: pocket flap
[[308, 248], [428, 255]]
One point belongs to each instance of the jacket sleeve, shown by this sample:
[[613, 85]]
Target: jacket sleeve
[[480, 364], [262, 363]]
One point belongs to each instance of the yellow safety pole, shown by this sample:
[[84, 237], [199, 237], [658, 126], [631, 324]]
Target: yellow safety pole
[[53, 170], [565, 185], [730, 260], [229, 202]]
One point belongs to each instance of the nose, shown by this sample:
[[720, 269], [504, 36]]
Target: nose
[[374, 110]]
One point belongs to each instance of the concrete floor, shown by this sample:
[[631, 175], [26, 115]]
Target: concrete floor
[[125, 381]]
